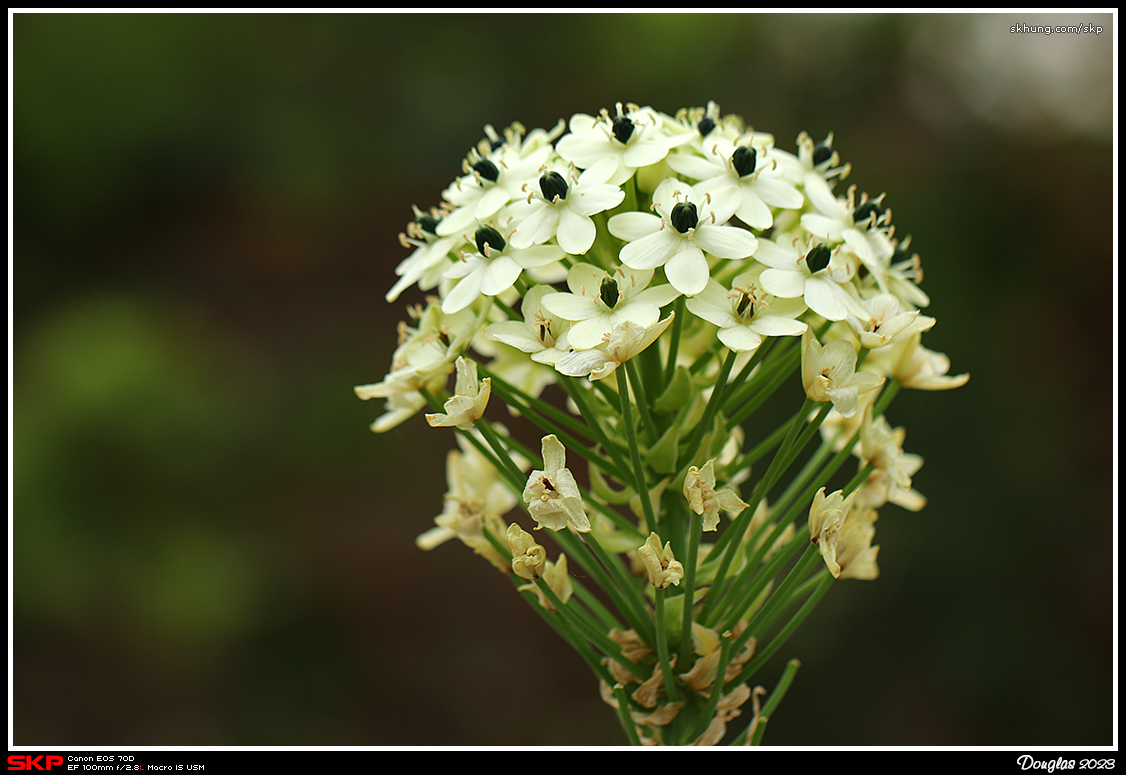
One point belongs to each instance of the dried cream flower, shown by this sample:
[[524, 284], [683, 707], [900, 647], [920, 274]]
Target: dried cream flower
[[528, 557], [552, 495], [699, 489], [663, 569], [829, 374], [826, 519], [468, 403]]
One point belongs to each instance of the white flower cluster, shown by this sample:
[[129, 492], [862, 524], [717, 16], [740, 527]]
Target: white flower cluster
[[633, 210], [722, 264]]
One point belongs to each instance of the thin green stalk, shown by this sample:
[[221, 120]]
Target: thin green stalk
[[651, 432], [624, 717], [640, 482], [714, 403], [786, 632], [575, 391], [624, 582], [674, 338], [590, 630], [694, 531], [739, 526], [671, 688], [626, 598]]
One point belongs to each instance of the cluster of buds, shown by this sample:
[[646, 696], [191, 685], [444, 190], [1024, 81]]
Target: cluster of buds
[[634, 286]]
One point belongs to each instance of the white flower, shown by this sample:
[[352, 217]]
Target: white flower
[[552, 495], [887, 322], [562, 209], [817, 275], [745, 315], [689, 222], [829, 374], [614, 148], [475, 501], [541, 333], [914, 366], [626, 340], [494, 269], [467, 404], [744, 170], [490, 183], [431, 253], [598, 301], [863, 227]]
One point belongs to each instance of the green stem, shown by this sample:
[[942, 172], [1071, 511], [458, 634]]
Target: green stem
[[694, 531], [674, 338], [635, 454], [663, 647], [787, 631], [635, 380], [624, 715]]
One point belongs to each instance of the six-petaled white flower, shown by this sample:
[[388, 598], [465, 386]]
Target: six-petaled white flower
[[689, 222]]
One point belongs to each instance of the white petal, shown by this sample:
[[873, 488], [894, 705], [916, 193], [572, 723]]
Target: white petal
[[596, 199], [575, 232], [726, 241], [652, 251], [786, 283], [740, 339], [499, 275], [570, 306], [633, 226], [776, 325], [588, 333], [822, 297], [687, 270]]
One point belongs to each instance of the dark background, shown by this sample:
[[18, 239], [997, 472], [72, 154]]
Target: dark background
[[210, 548]]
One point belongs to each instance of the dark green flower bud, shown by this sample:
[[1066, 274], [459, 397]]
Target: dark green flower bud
[[609, 292], [622, 129], [865, 211], [488, 236], [822, 152], [553, 185], [744, 160], [684, 217], [427, 223], [487, 170], [818, 258]]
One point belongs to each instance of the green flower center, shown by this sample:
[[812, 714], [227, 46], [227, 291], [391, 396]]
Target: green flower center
[[487, 170], [744, 160], [705, 126], [684, 217], [865, 211], [553, 185], [818, 258], [488, 237], [609, 292], [822, 152], [622, 129]]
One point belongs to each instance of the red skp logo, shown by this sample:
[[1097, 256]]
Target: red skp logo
[[17, 762]]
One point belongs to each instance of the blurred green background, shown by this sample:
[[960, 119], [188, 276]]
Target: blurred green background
[[210, 547]]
